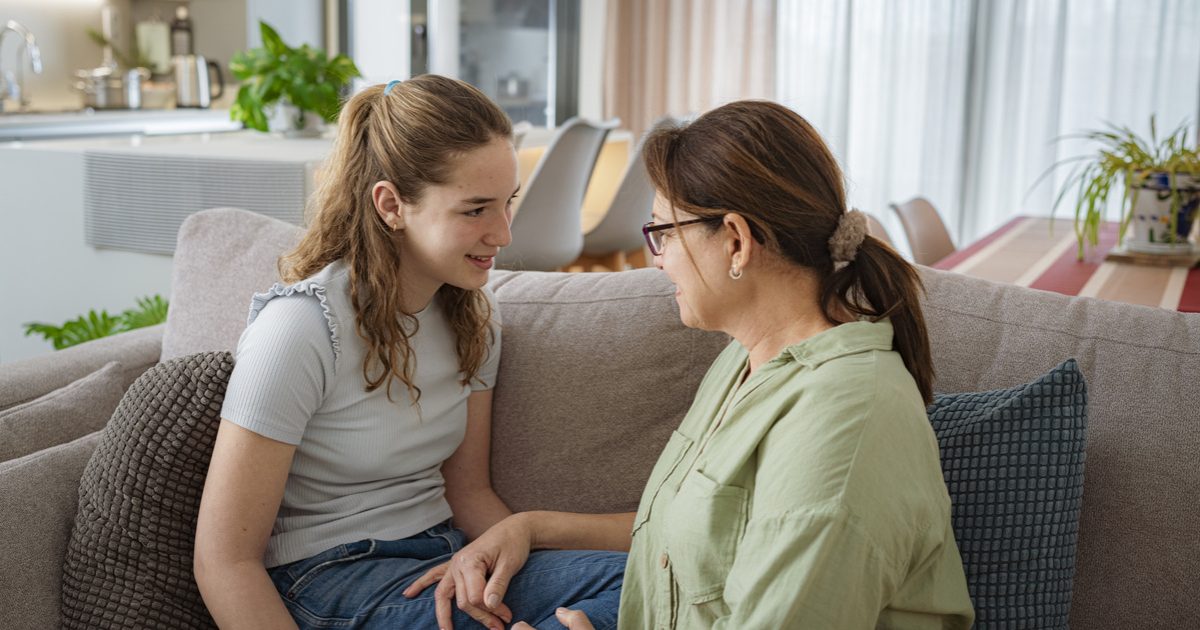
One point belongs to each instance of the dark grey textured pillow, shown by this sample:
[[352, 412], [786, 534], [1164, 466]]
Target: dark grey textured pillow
[[129, 560], [62, 415], [1013, 462]]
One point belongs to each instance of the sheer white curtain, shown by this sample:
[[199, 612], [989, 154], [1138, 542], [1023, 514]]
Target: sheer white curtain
[[961, 102], [686, 56]]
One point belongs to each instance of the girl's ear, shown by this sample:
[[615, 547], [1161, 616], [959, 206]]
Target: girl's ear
[[388, 204]]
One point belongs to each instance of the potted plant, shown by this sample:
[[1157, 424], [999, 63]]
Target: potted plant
[[149, 312], [295, 90], [1159, 184]]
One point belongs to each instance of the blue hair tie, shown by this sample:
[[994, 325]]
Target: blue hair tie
[[391, 84]]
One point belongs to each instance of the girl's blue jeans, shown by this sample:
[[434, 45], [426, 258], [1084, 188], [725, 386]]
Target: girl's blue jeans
[[361, 584]]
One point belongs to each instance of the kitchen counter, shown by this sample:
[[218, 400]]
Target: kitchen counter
[[228, 144], [114, 122]]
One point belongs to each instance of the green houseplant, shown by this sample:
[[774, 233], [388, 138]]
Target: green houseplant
[[1158, 180], [149, 312], [278, 75]]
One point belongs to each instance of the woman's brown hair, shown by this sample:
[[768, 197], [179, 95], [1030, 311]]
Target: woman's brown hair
[[766, 163], [411, 137]]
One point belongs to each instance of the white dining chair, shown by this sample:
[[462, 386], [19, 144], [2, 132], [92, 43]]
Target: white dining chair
[[547, 231], [619, 231], [520, 130]]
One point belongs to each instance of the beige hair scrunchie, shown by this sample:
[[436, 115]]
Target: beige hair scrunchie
[[847, 238]]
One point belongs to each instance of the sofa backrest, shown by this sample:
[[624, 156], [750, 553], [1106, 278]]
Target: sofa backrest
[[595, 373], [223, 256], [597, 370], [1138, 555]]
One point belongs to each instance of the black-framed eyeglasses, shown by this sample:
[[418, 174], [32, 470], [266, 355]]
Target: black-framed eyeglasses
[[656, 233]]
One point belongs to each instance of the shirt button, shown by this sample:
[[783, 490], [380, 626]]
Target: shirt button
[[662, 561]]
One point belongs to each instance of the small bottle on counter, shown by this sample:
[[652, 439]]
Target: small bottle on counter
[[181, 33]]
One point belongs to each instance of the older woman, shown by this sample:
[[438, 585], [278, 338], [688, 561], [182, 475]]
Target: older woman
[[803, 489]]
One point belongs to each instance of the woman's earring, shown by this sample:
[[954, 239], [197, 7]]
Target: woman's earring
[[735, 273]]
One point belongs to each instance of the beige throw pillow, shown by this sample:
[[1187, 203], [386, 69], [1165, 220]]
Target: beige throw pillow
[[39, 493], [62, 415]]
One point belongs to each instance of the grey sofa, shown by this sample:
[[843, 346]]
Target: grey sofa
[[597, 370]]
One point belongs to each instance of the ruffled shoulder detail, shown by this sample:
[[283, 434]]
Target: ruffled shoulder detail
[[311, 287]]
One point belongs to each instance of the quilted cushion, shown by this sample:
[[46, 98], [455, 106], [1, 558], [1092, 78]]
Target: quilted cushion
[[1013, 463], [129, 560]]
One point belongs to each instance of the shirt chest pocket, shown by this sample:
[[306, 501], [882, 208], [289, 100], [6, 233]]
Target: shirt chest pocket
[[672, 454], [702, 528]]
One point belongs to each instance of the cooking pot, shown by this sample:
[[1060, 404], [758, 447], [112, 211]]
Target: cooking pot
[[105, 88]]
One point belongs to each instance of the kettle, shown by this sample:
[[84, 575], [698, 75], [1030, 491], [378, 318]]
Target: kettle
[[193, 83]]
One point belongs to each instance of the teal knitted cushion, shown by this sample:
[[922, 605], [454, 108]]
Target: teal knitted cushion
[[1013, 463]]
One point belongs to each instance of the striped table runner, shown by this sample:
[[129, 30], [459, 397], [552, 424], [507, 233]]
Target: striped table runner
[[1026, 252]]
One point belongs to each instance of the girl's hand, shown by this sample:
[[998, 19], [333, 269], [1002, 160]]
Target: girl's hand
[[572, 619]]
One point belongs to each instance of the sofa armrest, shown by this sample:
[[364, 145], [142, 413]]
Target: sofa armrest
[[40, 495], [24, 380]]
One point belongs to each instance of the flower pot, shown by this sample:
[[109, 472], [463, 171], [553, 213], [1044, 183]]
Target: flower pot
[[1152, 210], [285, 118]]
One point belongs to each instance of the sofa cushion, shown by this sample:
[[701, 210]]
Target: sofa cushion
[[26, 379], [1013, 463], [224, 256], [39, 494], [596, 370], [1142, 489], [129, 560], [62, 415]]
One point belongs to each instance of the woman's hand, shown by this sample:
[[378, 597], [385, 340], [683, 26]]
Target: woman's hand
[[502, 615], [499, 553], [572, 619]]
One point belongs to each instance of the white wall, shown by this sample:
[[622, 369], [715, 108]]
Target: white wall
[[380, 38], [296, 21], [47, 272], [592, 24]]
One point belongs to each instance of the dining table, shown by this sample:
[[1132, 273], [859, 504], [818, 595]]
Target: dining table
[[1042, 253]]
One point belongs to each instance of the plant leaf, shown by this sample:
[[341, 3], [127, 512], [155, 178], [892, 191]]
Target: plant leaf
[[49, 332], [272, 41], [305, 76], [150, 311]]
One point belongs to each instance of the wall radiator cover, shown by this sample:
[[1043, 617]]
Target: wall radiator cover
[[136, 202]]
